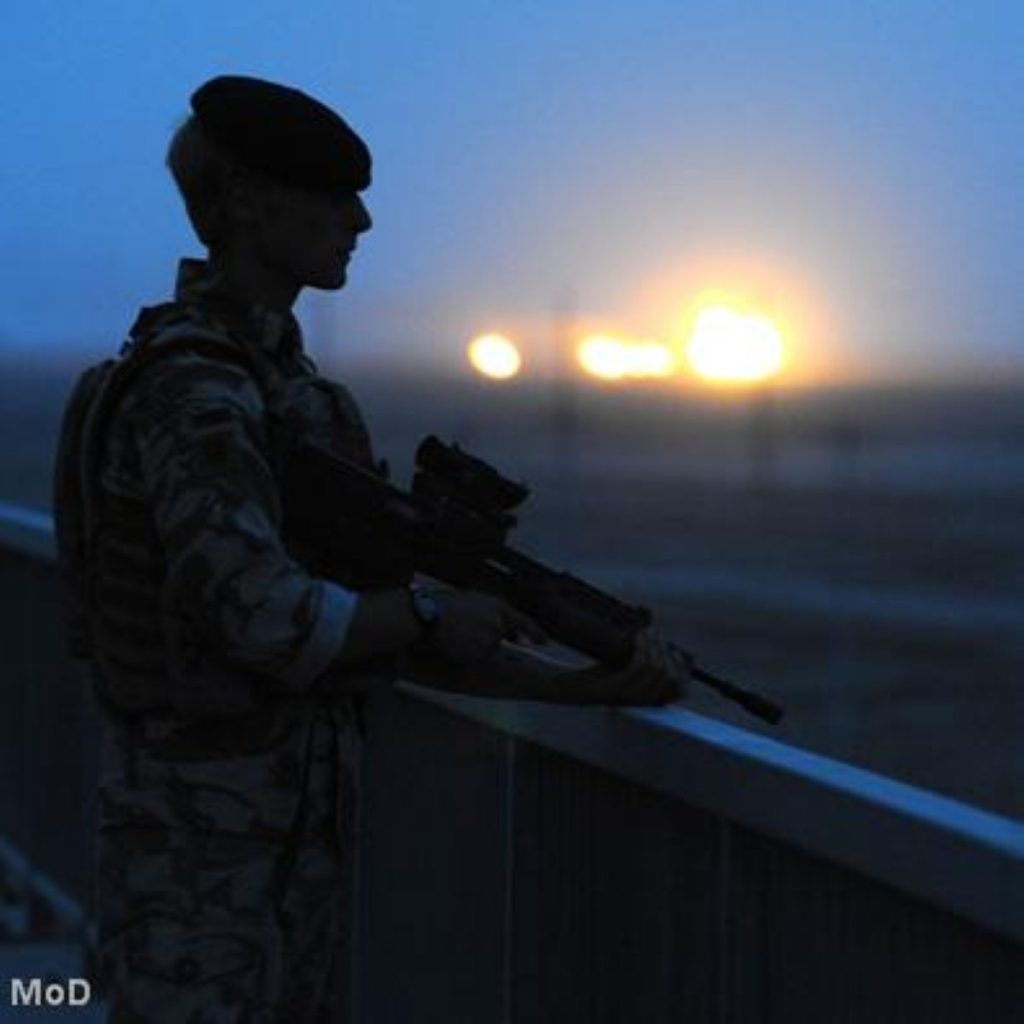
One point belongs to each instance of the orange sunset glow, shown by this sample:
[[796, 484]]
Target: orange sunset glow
[[750, 327], [738, 320], [732, 347]]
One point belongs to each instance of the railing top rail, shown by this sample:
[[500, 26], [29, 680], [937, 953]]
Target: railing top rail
[[945, 852], [27, 530]]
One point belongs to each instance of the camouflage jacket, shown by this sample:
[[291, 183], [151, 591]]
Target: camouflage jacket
[[223, 645]]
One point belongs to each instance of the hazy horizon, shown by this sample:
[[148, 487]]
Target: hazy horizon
[[853, 170]]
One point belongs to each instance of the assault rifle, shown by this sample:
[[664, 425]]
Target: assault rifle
[[352, 525]]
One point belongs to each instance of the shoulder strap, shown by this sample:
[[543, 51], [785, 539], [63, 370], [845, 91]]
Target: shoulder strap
[[87, 415]]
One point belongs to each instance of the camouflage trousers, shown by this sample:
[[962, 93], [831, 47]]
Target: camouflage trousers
[[216, 928]]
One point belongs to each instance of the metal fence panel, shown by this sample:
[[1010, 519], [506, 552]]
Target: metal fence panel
[[433, 868], [616, 903]]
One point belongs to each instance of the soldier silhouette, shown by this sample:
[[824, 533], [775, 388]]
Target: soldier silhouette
[[229, 674]]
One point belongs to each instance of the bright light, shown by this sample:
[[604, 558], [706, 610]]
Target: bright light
[[610, 358], [728, 346], [494, 356], [604, 356], [652, 359]]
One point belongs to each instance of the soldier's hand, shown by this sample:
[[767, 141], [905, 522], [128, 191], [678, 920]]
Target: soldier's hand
[[659, 673], [471, 626]]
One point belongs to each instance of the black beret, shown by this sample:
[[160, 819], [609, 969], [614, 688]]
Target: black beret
[[283, 133]]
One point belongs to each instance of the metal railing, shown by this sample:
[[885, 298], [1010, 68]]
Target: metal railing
[[528, 863]]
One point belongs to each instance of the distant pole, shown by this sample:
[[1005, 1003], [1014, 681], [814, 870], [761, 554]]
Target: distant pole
[[564, 421], [762, 436], [564, 404]]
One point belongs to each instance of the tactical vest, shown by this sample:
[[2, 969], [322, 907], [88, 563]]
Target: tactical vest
[[110, 565]]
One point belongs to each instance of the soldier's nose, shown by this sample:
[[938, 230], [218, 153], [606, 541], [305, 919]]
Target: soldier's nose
[[363, 219]]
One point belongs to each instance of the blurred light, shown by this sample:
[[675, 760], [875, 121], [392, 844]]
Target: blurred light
[[603, 356], [610, 358], [494, 356], [728, 346], [651, 359]]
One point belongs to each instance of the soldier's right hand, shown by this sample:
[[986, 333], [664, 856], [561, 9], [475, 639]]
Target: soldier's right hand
[[471, 626], [658, 673]]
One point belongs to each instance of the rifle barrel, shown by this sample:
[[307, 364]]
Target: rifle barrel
[[757, 705]]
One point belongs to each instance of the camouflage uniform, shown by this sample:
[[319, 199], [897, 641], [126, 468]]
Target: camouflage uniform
[[230, 756]]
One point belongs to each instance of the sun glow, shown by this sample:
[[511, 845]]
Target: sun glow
[[729, 346], [494, 356]]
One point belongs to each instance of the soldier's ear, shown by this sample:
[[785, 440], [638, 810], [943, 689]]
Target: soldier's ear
[[259, 203], [243, 202]]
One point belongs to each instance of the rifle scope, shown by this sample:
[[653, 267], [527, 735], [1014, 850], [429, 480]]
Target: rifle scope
[[466, 479]]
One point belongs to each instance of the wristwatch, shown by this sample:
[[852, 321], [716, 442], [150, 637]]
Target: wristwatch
[[426, 606]]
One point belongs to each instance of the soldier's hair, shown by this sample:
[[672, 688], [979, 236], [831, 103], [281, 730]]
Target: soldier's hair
[[203, 174]]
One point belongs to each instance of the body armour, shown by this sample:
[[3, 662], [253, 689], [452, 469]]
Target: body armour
[[214, 649]]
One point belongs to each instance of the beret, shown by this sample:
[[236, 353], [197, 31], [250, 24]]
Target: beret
[[283, 133]]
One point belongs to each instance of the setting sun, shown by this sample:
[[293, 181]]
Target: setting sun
[[728, 346]]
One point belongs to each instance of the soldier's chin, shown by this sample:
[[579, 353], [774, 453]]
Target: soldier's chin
[[330, 281]]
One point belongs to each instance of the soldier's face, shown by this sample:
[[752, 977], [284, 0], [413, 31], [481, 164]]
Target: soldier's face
[[310, 239]]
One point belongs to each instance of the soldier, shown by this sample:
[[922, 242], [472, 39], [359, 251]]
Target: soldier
[[229, 674]]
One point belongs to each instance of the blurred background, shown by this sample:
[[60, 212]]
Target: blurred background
[[732, 286]]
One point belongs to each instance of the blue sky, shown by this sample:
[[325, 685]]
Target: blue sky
[[863, 156]]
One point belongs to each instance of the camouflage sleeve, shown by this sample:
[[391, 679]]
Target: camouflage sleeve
[[204, 457]]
